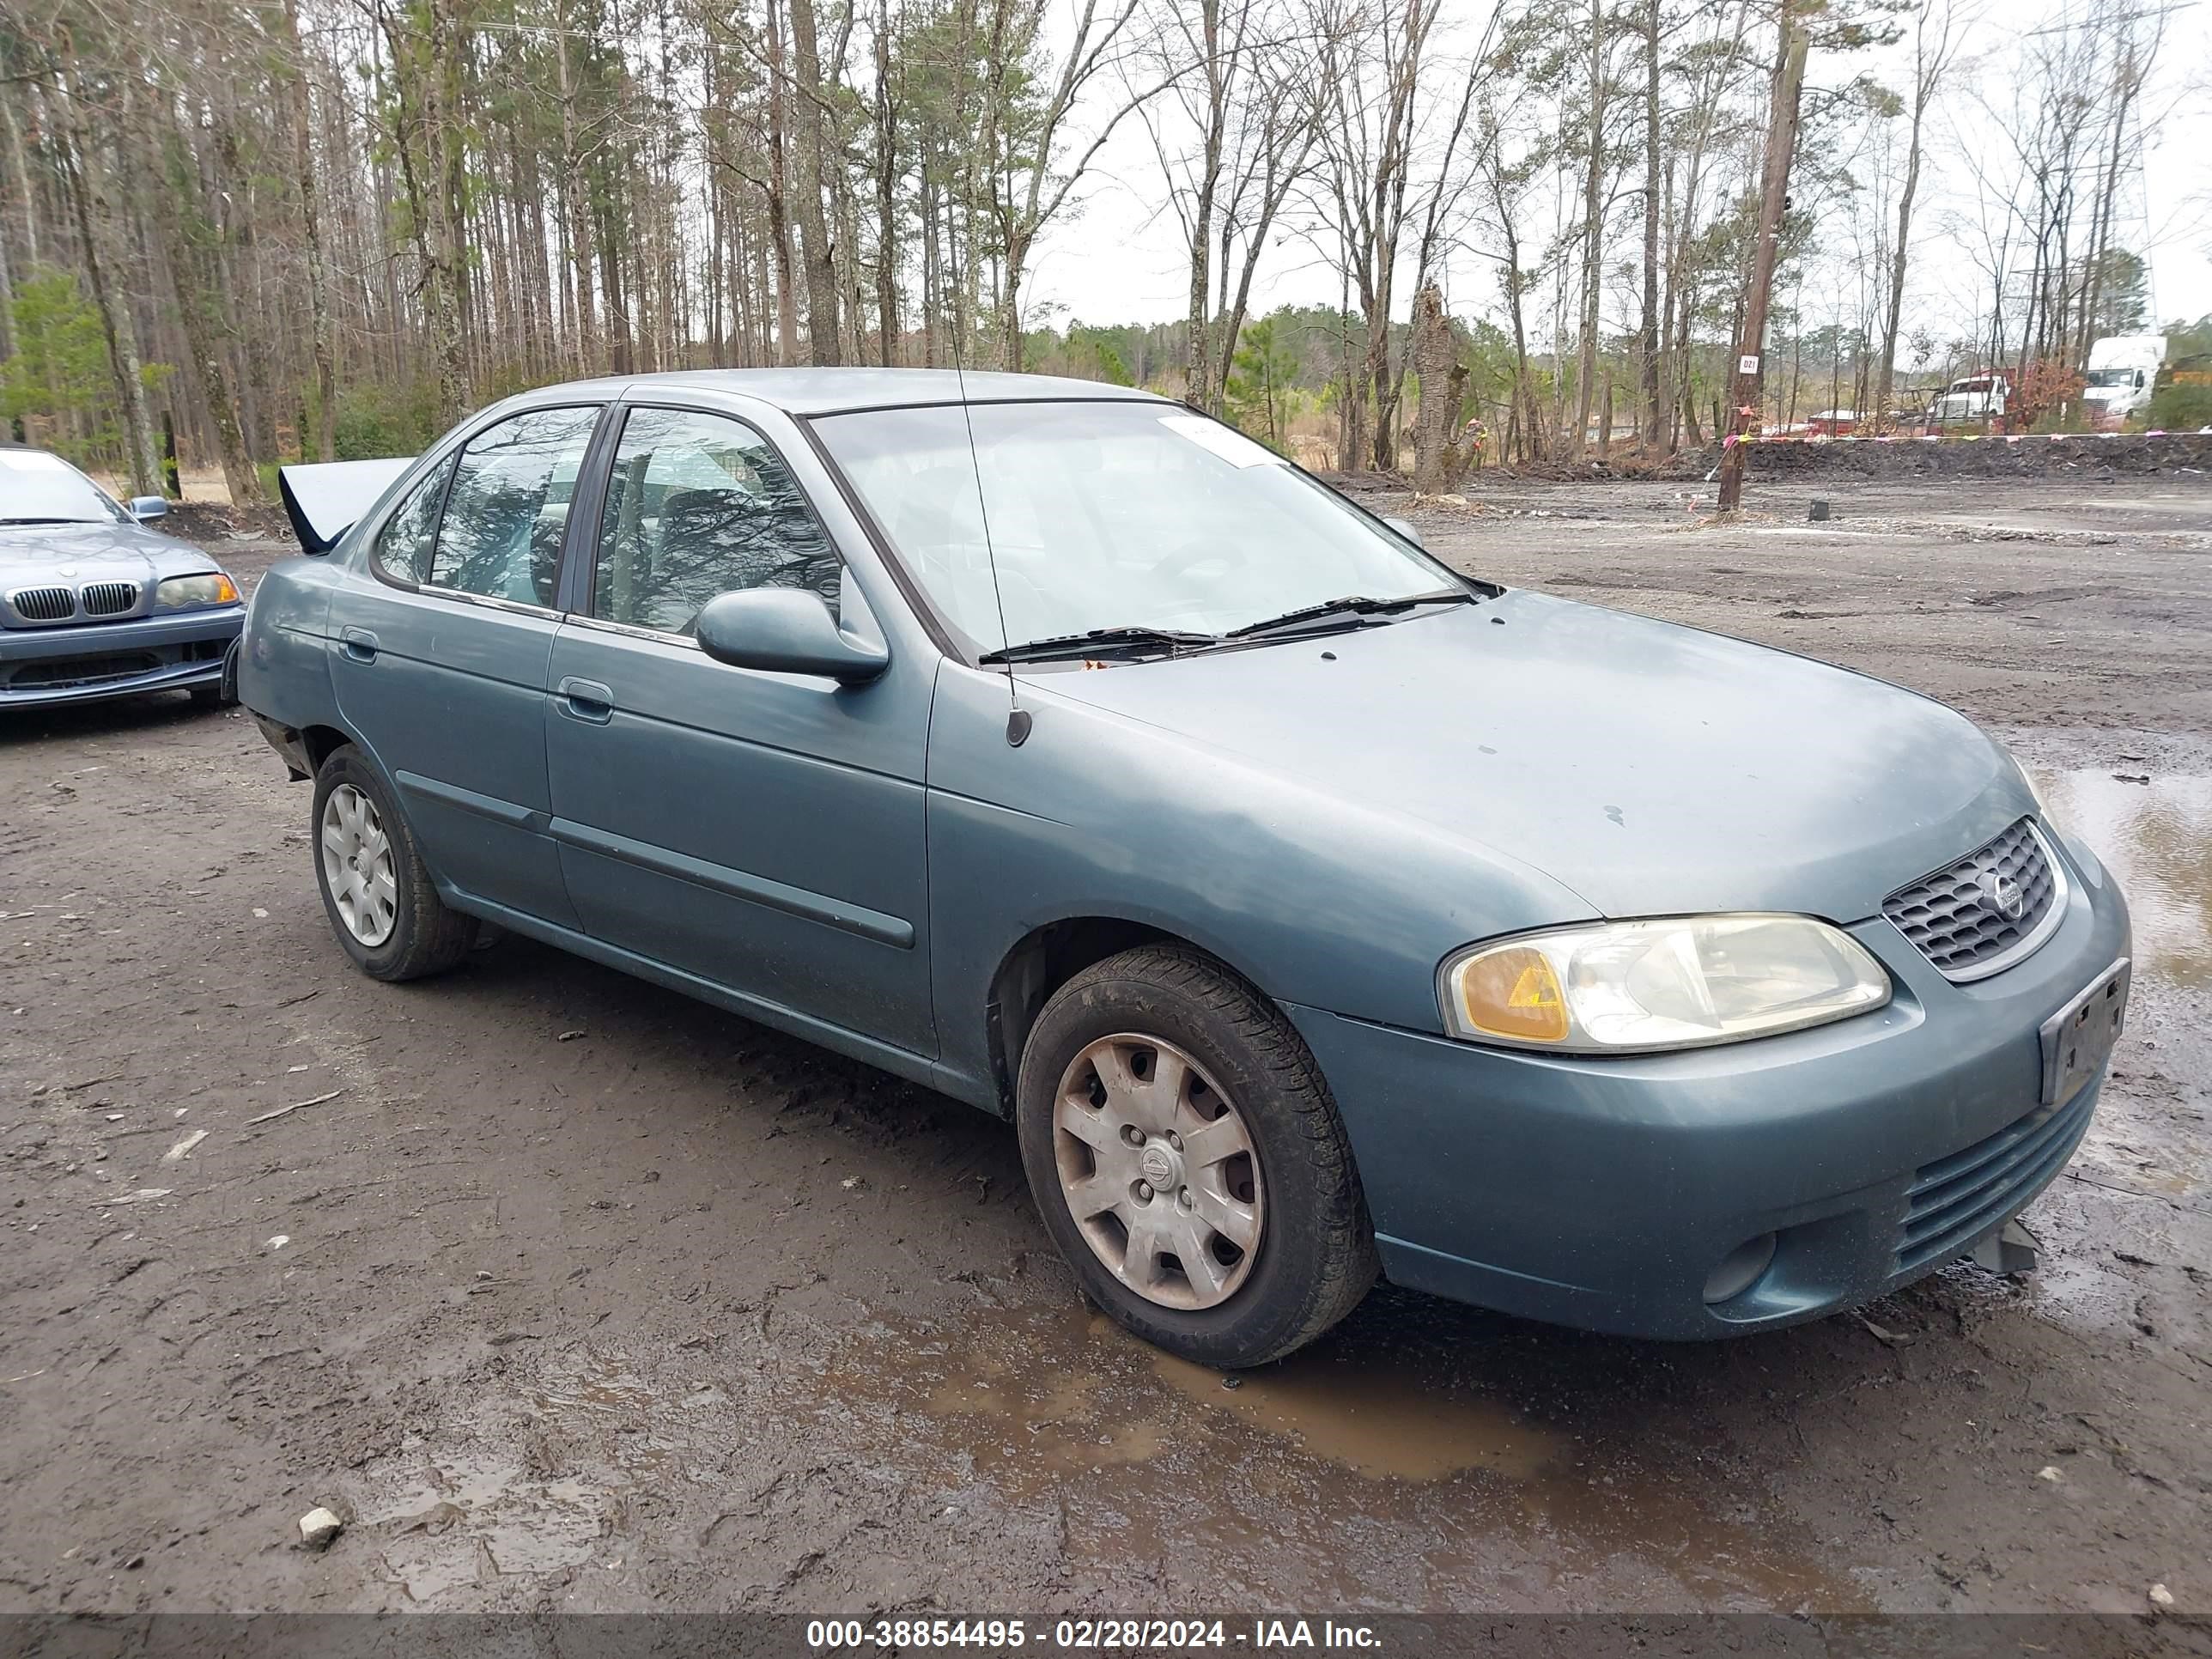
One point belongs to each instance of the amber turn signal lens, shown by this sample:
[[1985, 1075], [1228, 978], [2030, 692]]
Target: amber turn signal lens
[[1513, 992], [226, 591]]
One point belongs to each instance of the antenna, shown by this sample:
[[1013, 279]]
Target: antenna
[[1017, 717]]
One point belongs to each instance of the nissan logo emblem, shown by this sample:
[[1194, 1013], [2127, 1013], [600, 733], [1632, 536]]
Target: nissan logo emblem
[[2003, 895]]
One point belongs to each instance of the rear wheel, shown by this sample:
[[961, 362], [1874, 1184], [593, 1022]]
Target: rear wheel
[[382, 904], [1189, 1160]]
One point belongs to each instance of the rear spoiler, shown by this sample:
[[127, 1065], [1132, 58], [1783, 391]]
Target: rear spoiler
[[327, 498]]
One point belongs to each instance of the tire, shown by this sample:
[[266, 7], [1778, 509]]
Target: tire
[[417, 936], [1218, 1052], [212, 696]]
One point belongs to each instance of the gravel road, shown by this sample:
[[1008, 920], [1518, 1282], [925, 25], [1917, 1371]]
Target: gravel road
[[569, 1293]]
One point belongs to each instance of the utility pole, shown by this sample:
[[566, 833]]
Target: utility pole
[[1774, 197]]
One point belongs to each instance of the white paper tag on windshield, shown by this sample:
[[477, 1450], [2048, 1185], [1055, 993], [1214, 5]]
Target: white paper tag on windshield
[[1232, 446]]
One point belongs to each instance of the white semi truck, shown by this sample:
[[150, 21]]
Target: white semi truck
[[2123, 370]]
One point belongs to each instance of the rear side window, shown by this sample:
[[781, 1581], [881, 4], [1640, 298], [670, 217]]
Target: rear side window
[[402, 546], [501, 533]]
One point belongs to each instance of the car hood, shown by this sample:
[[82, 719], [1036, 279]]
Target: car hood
[[1653, 770], [36, 553]]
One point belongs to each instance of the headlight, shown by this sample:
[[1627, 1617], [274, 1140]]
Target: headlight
[[215, 589], [1635, 987]]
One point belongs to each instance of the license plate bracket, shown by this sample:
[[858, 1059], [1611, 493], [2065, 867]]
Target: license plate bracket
[[2078, 1039]]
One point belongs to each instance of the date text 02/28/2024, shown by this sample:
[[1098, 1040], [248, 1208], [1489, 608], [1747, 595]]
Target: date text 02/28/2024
[[1121, 1635]]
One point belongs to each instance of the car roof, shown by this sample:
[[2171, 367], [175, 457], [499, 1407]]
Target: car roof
[[830, 391]]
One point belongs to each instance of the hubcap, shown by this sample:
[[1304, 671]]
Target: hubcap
[[1158, 1170], [357, 865]]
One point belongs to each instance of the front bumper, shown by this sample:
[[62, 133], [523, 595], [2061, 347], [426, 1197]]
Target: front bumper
[[91, 660], [1602, 1193]]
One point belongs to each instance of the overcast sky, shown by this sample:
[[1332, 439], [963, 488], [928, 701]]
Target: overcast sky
[[1120, 260]]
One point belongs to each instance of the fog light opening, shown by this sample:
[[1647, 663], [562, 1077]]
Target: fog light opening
[[1740, 1269]]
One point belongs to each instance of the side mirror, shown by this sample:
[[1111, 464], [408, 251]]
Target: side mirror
[[144, 508], [786, 630], [1404, 528]]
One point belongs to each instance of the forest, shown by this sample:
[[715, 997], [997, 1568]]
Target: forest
[[250, 232]]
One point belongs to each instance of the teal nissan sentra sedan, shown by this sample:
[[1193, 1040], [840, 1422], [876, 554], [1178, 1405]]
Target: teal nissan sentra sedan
[[1315, 911]]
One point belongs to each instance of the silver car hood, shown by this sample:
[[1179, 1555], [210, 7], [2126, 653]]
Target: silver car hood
[[1653, 770], [32, 554]]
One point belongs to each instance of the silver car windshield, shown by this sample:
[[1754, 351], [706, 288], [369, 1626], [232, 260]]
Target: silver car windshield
[[38, 488], [1111, 516]]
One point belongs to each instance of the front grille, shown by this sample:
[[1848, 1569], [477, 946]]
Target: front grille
[[109, 599], [1957, 917], [44, 604], [1956, 1200]]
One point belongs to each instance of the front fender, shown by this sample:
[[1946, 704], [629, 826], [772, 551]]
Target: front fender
[[1316, 900]]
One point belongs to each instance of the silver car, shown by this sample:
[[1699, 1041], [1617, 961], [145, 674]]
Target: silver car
[[94, 604]]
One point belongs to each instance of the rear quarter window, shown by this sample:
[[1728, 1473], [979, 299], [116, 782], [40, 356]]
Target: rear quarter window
[[404, 545]]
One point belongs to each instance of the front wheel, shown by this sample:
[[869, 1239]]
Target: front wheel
[[382, 903], [1189, 1160]]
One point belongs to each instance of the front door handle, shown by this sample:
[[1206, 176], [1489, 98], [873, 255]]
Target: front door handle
[[586, 700], [360, 644]]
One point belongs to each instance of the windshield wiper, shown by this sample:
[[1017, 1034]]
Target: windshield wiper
[[49, 522], [1103, 642], [1350, 611]]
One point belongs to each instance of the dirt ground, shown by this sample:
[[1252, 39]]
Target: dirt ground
[[572, 1294]]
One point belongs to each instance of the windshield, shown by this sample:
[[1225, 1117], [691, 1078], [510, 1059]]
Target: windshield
[[36, 488], [1110, 515], [2124, 377]]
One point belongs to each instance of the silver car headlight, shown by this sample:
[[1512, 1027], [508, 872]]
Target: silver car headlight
[[1676, 982], [214, 588]]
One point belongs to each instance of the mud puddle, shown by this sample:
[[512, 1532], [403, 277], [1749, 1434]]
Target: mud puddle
[[2154, 833], [1151, 1456], [532, 1487]]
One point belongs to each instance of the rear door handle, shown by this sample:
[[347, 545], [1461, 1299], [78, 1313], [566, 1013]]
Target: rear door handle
[[586, 700], [360, 644]]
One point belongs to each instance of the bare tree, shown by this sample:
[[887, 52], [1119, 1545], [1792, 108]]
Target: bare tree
[[1371, 70], [1935, 49]]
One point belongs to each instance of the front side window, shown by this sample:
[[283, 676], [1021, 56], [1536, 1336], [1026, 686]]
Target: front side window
[[699, 505], [508, 505], [1080, 516]]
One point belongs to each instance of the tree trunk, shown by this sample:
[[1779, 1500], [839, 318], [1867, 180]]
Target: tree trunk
[[319, 305], [1593, 233], [1648, 338], [21, 170], [887, 241], [1199, 374], [448, 286], [203, 357], [822, 336], [779, 174], [1440, 453], [1898, 258], [122, 346], [1781, 148], [1017, 250]]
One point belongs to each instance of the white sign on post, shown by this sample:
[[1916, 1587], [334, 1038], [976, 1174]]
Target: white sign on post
[[1747, 364]]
